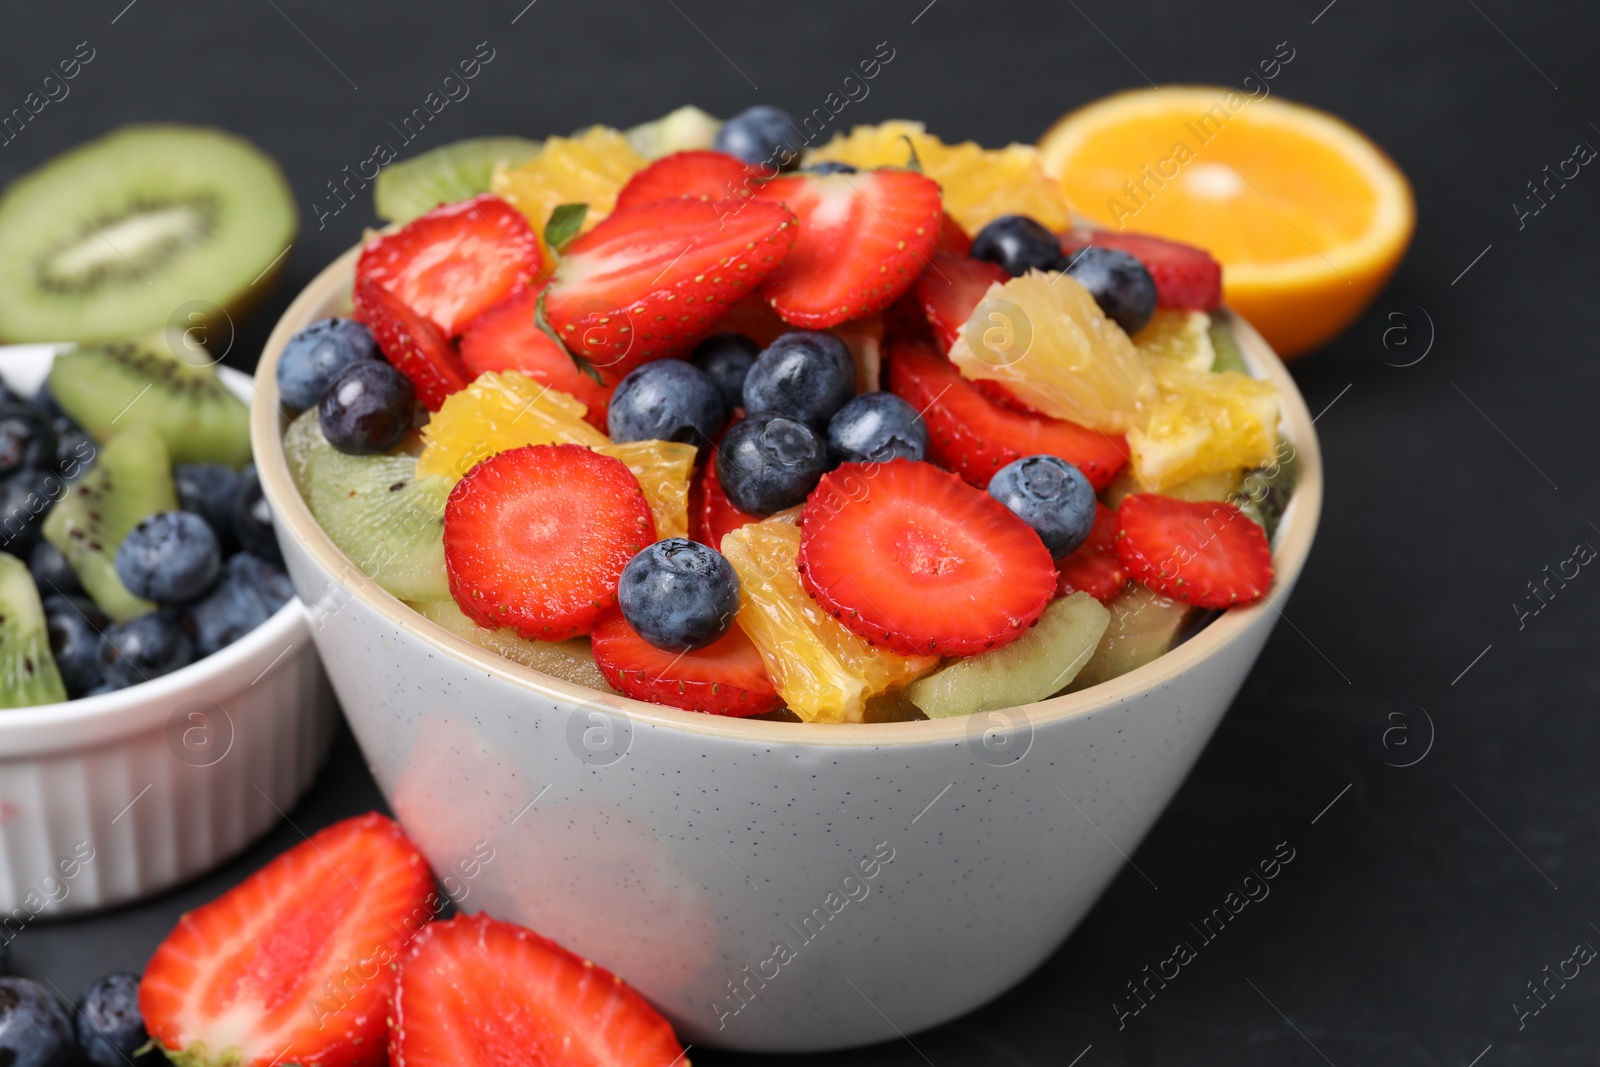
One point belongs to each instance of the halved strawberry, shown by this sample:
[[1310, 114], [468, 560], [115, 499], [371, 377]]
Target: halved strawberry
[[1185, 276], [974, 436], [474, 992], [951, 289], [911, 557], [1094, 566], [753, 317], [718, 515], [1205, 552], [535, 538], [456, 260], [702, 174], [506, 337], [952, 238], [294, 964], [650, 281], [412, 342], [863, 240], [726, 677]]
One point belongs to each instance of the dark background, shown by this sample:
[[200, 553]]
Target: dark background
[[1421, 902]]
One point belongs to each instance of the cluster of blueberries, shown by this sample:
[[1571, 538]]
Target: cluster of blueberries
[[212, 567], [105, 1028], [364, 405]]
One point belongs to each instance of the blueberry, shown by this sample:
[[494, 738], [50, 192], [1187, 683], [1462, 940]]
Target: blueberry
[[805, 374], [760, 134], [51, 571], [667, 400], [875, 428], [366, 409], [27, 439], [828, 166], [315, 355], [251, 589], [74, 624], [768, 462], [1119, 284], [45, 401], [1018, 244], [727, 358], [34, 1028], [75, 450], [679, 595], [261, 576], [209, 490], [25, 498], [143, 648], [110, 1028], [252, 516], [171, 557], [1050, 495]]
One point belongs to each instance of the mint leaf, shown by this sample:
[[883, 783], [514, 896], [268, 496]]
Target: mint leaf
[[914, 164], [584, 366], [565, 222]]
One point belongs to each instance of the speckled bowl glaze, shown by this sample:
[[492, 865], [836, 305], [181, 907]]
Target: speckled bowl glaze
[[768, 886]]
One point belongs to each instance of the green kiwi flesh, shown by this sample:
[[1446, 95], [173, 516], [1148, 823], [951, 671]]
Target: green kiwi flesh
[[109, 387], [144, 226], [131, 480], [571, 661], [1143, 625], [443, 175], [28, 673]]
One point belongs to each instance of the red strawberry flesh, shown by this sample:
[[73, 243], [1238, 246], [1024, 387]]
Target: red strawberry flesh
[[951, 289], [1206, 552], [507, 337], [1186, 277], [727, 677], [1094, 566], [410, 341], [702, 174], [718, 515]]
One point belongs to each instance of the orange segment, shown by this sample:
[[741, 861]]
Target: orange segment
[[589, 167], [1307, 216]]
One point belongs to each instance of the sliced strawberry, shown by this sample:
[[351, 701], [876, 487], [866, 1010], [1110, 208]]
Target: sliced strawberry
[[718, 515], [1094, 566], [911, 557], [474, 992], [294, 964], [702, 174], [863, 240], [974, 436], [904, 318], [1185, 276], [951, 289], [535, 538], [650, 281], [952, 238], [753, 317], [1205, 552], [456, 261], [412, 342], [726, 677], [506, 337]]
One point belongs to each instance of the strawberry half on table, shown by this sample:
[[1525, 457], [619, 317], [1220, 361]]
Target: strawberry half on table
[[295, 965]]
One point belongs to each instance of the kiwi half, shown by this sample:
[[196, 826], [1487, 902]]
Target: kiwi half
[[109, 387], [28, 673], [443, 175], [121, 235], [131, 480]]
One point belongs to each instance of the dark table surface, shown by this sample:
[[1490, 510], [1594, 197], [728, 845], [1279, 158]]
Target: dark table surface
[[1422, 898]]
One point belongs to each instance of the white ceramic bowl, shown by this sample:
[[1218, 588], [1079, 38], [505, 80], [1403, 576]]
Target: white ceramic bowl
[[769, 886], [111, 798]]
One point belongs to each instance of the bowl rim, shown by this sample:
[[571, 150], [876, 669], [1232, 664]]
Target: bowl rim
[[330, 290], [23, 724]]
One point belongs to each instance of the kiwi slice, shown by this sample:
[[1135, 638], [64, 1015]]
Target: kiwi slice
[[570, 661], [131, 479], [1035, 665], [144, 226], [108, 387], [1229, 356], [375, 508], [1143, 625], [677, 131], [28, 673], [443, 175], [1265, 491]]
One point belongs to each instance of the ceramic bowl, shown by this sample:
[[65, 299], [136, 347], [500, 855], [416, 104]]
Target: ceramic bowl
[[112, 798], [768, 886]]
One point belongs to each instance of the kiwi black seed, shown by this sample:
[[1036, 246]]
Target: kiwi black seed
[[146, 226]]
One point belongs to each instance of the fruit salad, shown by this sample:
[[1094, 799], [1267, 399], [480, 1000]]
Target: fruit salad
[[865, 433]]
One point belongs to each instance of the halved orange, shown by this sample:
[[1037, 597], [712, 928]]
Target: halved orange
[[1308, 217]]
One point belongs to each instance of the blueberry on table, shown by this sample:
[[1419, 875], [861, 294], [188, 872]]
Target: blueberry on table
[[667, 400], [27, 438], [143, 648], [1050, 495], [209, 490], [768, 462], [875, 428], [727, 358], [252, 517], [315, 355], [171, 557], [367, 408], [1119, 283], [34, 1028], [51, 571], [760, 134], [679, 595], [805, 374], [109, 1027], [73, 624], [1018, 244]]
